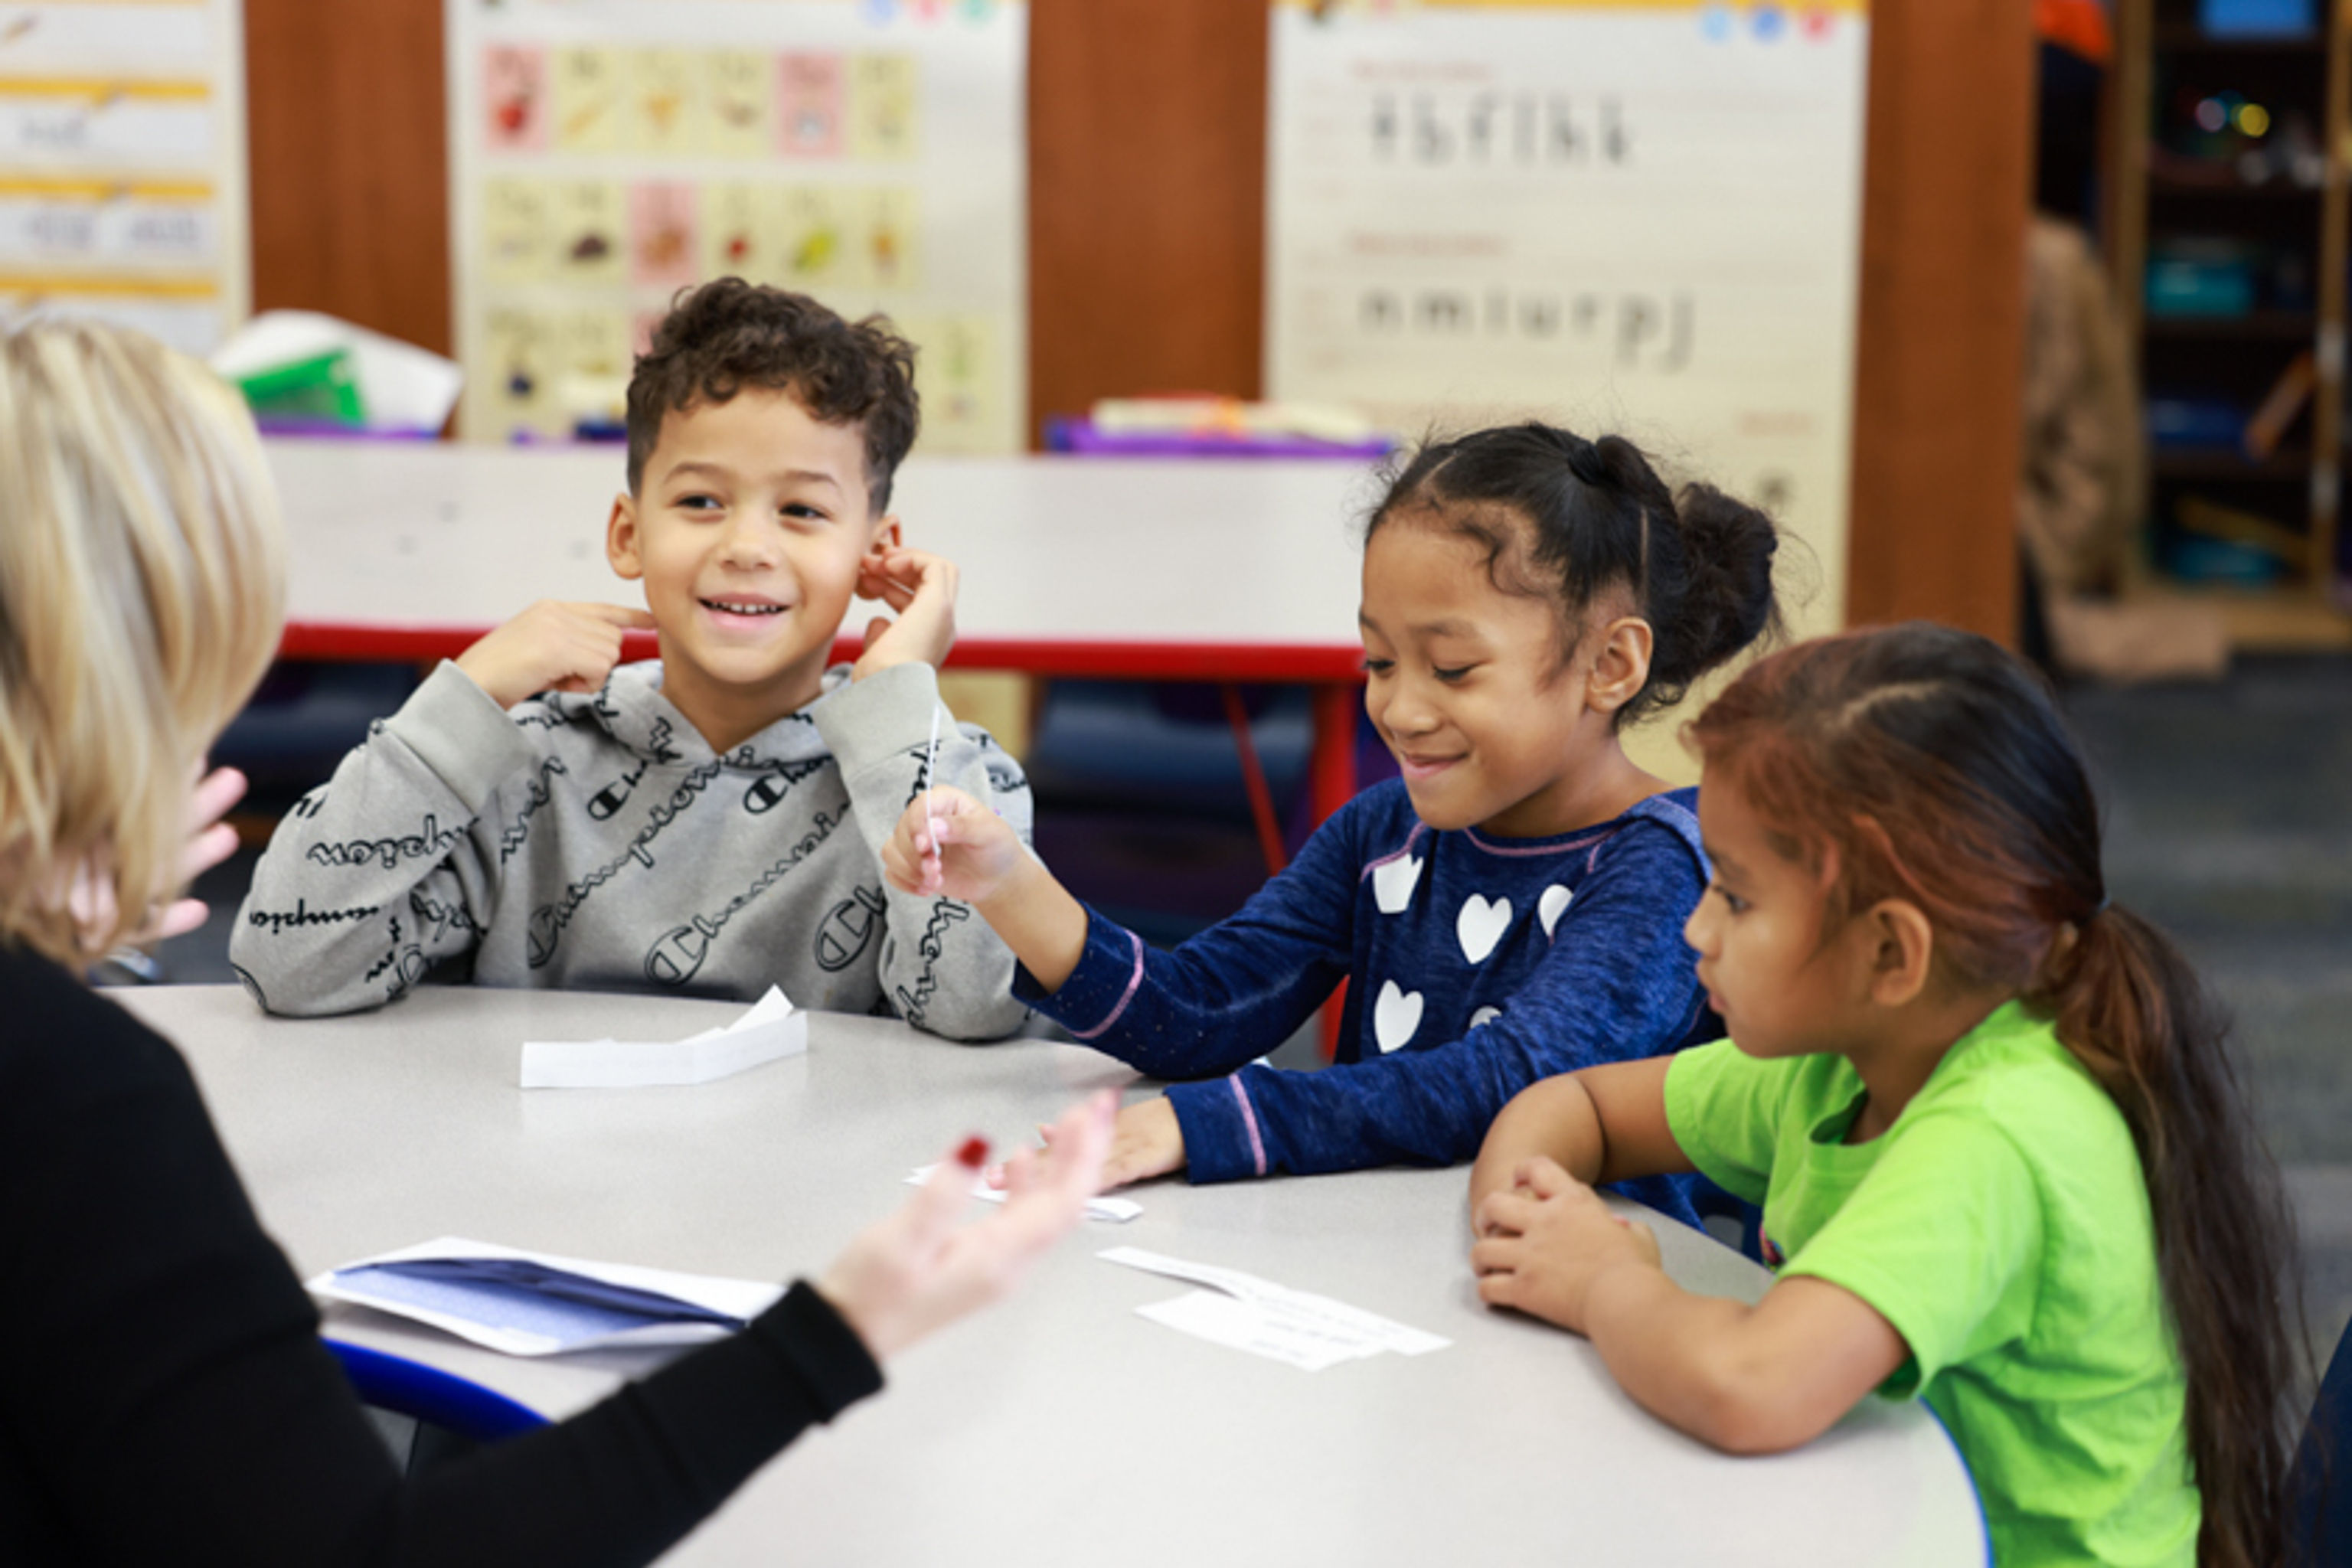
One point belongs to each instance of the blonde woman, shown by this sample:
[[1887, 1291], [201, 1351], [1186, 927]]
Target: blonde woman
[[166, 1396]]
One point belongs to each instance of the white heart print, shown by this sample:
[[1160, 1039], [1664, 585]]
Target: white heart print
[[1395, 1016], [1393, 882], [1483, 1016], [1480, 925], [1552, 905]]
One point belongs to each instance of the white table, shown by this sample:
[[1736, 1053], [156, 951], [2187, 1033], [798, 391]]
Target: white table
[[1136, 568], [1060, 1426]]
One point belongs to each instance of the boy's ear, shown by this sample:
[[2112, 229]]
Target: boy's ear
[[886, 534], [1621, 665], [621, 538], [1903, 951]]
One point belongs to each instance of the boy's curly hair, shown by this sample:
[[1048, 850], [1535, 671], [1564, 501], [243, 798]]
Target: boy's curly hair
[[729, 334]]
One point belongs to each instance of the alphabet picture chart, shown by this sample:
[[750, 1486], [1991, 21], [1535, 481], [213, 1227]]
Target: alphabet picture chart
[[123, 173], [1633, 216], [608, 153]]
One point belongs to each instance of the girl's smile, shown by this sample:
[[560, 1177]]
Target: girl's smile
[[1490, 728]]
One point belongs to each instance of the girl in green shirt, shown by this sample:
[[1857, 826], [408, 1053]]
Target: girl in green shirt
[[2003, 1160]]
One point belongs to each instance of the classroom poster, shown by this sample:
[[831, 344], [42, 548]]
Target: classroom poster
[[122, 174], [606, 153], [1638, 216]]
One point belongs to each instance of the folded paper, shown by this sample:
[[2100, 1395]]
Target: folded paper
[[536, 1303], [772, 1028]]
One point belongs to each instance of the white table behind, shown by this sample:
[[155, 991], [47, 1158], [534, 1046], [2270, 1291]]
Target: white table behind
[[447, 534]]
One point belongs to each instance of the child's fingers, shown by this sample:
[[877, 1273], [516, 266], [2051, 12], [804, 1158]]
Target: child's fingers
[[1503, 1288], [1544, 1177], [1505, 1214], [1496, 1254]]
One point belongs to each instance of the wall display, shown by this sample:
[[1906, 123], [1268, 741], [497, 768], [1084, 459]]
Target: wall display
[[606, 153], [122, 164], [1640, 215]]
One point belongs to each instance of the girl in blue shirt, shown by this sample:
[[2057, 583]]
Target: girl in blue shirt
[[1507, 911]]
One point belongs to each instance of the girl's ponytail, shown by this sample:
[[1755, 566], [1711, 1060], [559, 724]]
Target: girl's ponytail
[[2126, 1002], [1936, 769]]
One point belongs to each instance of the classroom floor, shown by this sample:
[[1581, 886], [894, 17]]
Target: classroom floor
[[2230, 823]]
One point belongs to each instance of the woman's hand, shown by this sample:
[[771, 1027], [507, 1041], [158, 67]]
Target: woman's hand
[[949, 845], [1547, 1241], [922, 1269], [91, 896]]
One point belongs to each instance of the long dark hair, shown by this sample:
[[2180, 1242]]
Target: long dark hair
[[1572, 519], [1938, 768]]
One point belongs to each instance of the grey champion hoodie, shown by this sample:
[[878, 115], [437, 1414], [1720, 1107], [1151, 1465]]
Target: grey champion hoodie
[[595, 842]]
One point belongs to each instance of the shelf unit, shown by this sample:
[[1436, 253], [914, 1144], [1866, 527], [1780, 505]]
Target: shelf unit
[[2164, 196]]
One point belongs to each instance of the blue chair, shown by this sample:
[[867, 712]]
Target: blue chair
[[2320, 1520], [431, 1397]]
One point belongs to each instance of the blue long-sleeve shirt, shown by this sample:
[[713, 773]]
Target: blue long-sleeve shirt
[[1476, 966]]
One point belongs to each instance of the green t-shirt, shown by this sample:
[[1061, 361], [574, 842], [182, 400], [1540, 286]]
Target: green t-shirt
[[2002, 1225]]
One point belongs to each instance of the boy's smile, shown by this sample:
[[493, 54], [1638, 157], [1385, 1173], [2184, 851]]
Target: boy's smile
[[748, 531]]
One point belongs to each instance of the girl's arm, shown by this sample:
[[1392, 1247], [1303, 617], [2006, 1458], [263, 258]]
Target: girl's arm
[[1606, 1123], [1225, 997], [1748, 1380], [1618, 983]]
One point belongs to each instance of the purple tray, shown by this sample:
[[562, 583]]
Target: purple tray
[[1080, 437]]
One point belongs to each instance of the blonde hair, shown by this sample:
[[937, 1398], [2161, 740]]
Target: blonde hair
[[141, 584]]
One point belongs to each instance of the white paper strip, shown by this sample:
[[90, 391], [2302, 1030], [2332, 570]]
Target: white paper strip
[[1117, 1211], [1258, 1328], [772, 1028], [1282, 1314]]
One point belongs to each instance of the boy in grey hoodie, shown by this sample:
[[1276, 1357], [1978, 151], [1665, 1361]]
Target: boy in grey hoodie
[[706, 825]]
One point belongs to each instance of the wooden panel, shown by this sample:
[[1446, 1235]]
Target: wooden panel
[[1941, 350], [348, 155], [1146, 199], [1147, 233]]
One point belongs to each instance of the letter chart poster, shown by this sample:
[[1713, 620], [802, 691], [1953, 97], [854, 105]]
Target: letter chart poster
[[122, 185], [1641, 216], [606, 153]]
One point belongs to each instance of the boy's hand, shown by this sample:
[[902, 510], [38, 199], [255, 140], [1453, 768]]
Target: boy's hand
[[921, 587], [1545, 1242], [949, 845], [552, 646]]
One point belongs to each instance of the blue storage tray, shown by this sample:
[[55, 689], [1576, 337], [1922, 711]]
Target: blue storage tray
[[2258, 18]]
